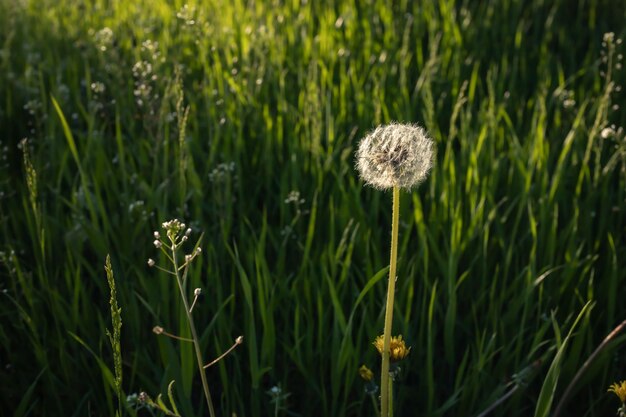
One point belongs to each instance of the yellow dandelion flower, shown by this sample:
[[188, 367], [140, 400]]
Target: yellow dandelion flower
[[366, 373], [620, 390], [397, 348]]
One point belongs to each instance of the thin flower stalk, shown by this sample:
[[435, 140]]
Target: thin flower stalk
[[385, 381], [238, 341], [194, 333]]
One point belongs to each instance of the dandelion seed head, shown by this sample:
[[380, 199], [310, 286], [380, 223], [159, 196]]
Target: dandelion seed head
[[395, 155]]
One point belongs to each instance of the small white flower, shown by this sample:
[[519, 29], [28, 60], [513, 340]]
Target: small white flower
[[607, 132], [157, 244], [197, 292], [151, 262]]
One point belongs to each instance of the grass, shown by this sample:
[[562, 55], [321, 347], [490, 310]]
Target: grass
[[520, 225]]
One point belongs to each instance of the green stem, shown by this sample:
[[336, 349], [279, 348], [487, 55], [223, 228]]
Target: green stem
[[375, 402], [194, 335], [384, 382], [390, 396]]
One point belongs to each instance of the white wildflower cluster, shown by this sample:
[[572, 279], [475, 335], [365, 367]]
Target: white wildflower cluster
[[294, 198], [177, 233], [98, 87], [144, 79], [222, 172], [395, 155], [186, 15], [104, 39]]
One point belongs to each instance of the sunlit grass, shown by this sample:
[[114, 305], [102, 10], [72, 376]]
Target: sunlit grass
[[520, 225]]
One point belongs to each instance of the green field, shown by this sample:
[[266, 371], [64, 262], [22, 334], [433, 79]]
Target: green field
[[242, 118]]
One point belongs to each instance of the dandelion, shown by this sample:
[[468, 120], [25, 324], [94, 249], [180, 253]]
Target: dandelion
[[397, 348], [620, 390], [395, 155]]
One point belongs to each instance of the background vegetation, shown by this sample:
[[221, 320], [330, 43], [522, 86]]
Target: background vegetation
[[521, 223]]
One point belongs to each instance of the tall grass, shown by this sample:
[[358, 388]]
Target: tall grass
[[520, 225]]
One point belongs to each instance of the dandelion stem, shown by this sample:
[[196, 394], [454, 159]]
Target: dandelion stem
[[390, 396], [384, 383], [194, 334]]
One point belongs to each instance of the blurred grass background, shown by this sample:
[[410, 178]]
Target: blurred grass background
[[521, 223]]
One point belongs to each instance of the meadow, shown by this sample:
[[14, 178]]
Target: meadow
[[242, 118]]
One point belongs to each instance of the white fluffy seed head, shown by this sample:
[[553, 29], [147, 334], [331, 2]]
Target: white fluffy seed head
[[395, 155]]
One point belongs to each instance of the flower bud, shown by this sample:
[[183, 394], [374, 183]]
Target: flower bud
[[366, 373]]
